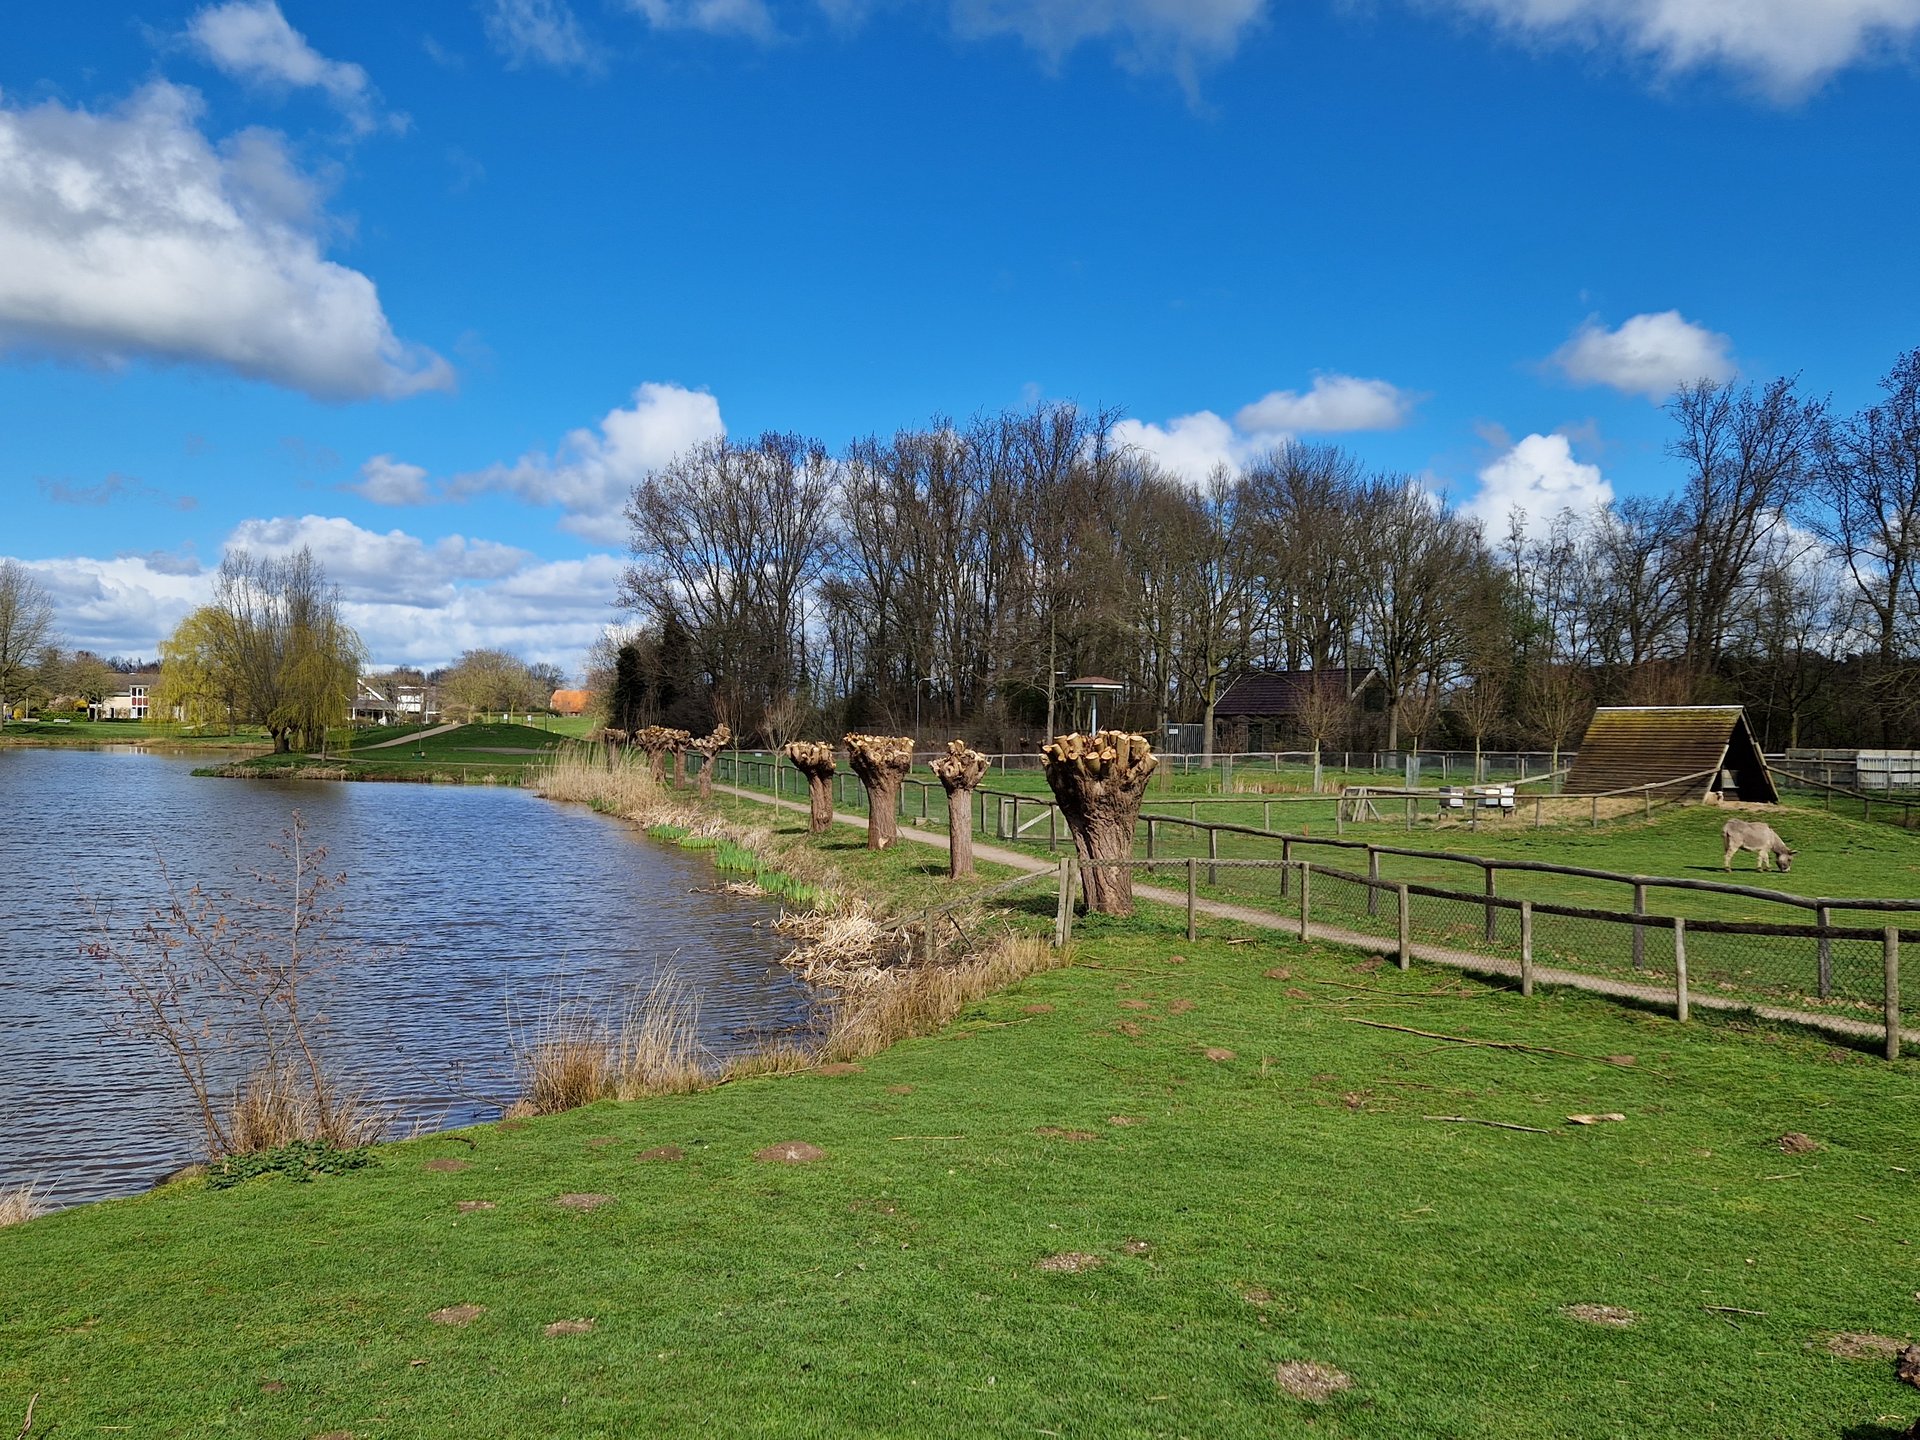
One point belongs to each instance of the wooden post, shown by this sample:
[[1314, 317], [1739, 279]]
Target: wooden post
[[1491, 930], [1536, 811], [1639, 931], [1594, 805], [1526, 947], [1679, 969], [1373, 874], [1152, 842], [1824, 915], [1073, 873], [1406, 925], [1286, 866], [1064, 906], [1306, 873], [1193, 890], [1266, 811], [1892, 948], [1053, 827], [1213, 853]]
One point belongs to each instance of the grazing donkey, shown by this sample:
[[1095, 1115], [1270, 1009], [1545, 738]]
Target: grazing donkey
[[1752, 835]]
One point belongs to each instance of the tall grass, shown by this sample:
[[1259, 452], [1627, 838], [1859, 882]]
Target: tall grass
[[19, 1204], [578, 1054], [922, 1000]]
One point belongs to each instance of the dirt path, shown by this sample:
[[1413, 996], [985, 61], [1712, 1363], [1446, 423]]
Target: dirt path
[[409, 739], [1432, 954]]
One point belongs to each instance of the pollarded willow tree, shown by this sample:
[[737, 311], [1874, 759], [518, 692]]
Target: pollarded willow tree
[[1099, 781], [660, 741], [960, 771], [814, 759], [706, 747], [881, 762]]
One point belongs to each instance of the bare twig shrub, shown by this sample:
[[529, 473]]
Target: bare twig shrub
[[19, 1204], [222, 981], [577, 1054]]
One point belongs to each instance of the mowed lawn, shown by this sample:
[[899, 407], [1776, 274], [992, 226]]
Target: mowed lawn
[[492, 752], [1247, 1176]]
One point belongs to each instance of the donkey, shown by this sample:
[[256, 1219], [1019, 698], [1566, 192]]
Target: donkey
[[1752, 835]]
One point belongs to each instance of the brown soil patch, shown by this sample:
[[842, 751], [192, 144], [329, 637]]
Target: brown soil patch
[[458, 1314], [1906, 1365], [1135, 1005], [1367, 967], [905, 1089], [1054, 1132], [1311, 1381], [582, 1202], [838, 1067], [1069, 1262], [600, 1141], [1863, 1345], [1040, 1009], [1619, 1059], [1294, 992], [1214, 1052], [1257, 1295], [1279, 972], [467, 1207], [444, 1167], [790, 1152], [1617, 1316], [273, 1387], [1136, 1247], [1179, 1007], [1176, 959], [1355, 1100], [567, 1327], [1128, 1028], [662, 1152], [1125, 1120], [1794, 1143]]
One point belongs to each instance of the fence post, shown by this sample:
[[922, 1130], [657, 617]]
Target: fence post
[[1490, 931], [1266, 809], [1537, 800], [1679, 969], [1892, 946], [1193, 887], [1152, 845], [1213, 853], [1286, 866], [1526, 947], [1373, 874], [1053, 827], [1824, 914], [1594, 804], [1406, 925], [1306, 875], [1639, 931], [1063, 908]]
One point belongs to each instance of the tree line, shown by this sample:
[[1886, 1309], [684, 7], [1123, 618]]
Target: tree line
[[961, 572]]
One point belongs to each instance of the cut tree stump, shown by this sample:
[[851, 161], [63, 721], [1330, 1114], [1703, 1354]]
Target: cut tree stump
[[959, 771], [706, 747], [1099, 781], [814, 759], [881, 762]]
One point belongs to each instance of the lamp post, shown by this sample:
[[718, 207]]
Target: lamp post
[[923, 680]]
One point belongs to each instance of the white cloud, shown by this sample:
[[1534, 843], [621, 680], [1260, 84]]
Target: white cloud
[[1190, 446], [715, 17], [252, 41], [124, 606], [387, 481], [128, 235], [1540, 476], [1788, 46], [1650, 355], [539, 32], [592, 473], [387, 568], [1149, 34], [1334, 403]]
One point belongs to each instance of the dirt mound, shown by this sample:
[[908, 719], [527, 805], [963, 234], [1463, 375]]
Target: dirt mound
[[567, 1327], [1129, 1029], [790, 1152], [1311, 1381], [444, 1167], [1068, 1262], [1136, 1247], [1794, 1143], [1617, 1316], [838, 1067], [1863, 1345], [458, 1314], [662, 1152], [1176, 959], [582, 1202], [1135, 1005], [1041, 1009], [1216, 1053], [1279, 972]]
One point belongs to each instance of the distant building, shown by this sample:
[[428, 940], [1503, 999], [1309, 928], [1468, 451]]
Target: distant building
[[1696, 750], [1267, 706], [569, 702], [132, 701], [408, 705]]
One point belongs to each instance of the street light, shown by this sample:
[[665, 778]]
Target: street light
[[923, 680]]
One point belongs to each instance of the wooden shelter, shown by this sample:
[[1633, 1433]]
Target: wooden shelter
[[1694, 749], [1271, 703]]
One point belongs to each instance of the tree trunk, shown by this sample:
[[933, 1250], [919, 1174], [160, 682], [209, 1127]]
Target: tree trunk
[[881, 762], [814, 759], [708, 746], [960, 771], [1099, 781], [680, 765]]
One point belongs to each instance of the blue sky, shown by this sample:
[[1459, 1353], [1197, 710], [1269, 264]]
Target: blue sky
[[429, 287]]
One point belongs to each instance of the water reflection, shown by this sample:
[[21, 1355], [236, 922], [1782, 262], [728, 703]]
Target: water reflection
[[478, 910]]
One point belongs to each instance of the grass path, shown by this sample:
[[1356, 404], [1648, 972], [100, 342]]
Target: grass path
[[412, 738]]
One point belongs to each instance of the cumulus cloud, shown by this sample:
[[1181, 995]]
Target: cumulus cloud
[[1788, 47], [393, 567], [591, 474], [715, 17], [1334, 403], [539, 32], [252, 41], [1650, 355], [127, 234], [1540, 476], [123, 606], [387, 481], [1190, 446]]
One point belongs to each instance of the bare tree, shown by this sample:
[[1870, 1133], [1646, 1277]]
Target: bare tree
[[26, 631]]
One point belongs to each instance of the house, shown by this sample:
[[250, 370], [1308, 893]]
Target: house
[[569, 702], [1700, 750], [131, 702], [406, 705], [1270, 706]]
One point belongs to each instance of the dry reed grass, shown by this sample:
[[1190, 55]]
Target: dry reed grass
[[577, 1055], [276, 1107], [19, 1204], [920, 1000]]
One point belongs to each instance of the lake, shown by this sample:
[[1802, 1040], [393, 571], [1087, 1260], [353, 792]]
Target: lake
[[475, 912]]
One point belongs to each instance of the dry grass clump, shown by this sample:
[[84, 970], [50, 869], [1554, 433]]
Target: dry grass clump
[[577, 1055], [908, 1001], [847, 948], [19, 1204], [276, 1106]]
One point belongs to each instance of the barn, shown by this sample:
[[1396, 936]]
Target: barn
[[1700, 749]]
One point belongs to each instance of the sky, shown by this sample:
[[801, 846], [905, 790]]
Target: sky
[[429, 288]]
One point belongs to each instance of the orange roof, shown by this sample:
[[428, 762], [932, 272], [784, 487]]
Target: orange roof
[[568, 702]]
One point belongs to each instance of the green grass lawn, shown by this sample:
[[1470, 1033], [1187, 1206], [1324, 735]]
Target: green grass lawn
[[130, 732], [484, 753], [1286, 1202]]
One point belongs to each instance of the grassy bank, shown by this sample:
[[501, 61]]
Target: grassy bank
[[1136, 1196], [479, 754], [131, 732]]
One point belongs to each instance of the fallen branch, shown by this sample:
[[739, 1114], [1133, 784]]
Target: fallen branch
[[1496, 1124], [1731, 1310], [27, 1424], [926, 1137]]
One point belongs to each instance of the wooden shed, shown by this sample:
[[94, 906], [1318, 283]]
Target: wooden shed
[[1701, 749]]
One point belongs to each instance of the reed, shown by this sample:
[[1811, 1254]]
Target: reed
[[19, 1204], [923, 999], [577, 1054]]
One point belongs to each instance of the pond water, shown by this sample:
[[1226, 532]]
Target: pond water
[[474, 912]]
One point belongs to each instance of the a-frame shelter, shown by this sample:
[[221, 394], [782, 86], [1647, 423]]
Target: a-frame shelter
[[1697, 749]]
